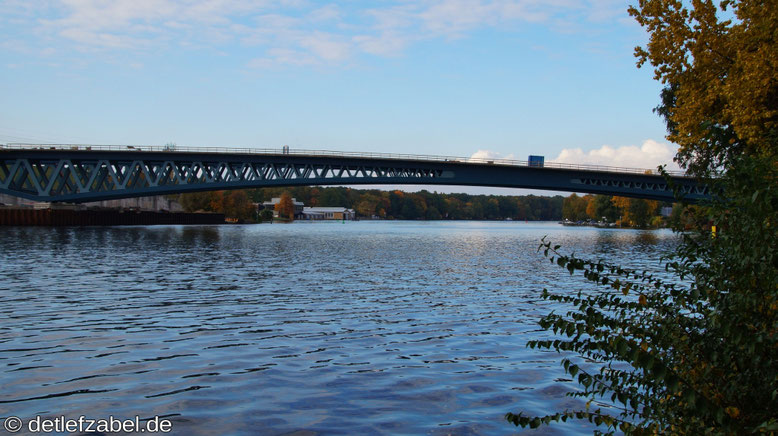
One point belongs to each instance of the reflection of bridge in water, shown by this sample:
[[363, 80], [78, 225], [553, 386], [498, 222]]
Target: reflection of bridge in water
[[80, 173]]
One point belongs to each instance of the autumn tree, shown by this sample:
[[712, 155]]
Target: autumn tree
[[236, 204], [591, 208], [196, 201], [622, 204], [603, 207], [635, 212], [366, 207], [233, 204], [721, 93], [285, 206], [574, 208], [698, 353], [640, 212]]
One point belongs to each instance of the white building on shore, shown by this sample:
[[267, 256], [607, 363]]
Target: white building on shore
[[329, 213]]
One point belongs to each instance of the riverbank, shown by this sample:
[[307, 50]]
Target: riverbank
[[589, 223], [608, 225]]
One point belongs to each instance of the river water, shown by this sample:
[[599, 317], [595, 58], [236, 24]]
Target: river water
[[304, 328]]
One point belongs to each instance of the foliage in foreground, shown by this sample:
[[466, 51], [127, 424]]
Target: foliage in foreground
[[697, 354]]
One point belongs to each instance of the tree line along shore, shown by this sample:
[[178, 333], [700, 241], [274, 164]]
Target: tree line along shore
[[425, 205]]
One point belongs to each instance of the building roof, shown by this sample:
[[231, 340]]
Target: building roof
[[326, 209]]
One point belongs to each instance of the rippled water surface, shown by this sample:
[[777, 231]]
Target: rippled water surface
[[325, 328]]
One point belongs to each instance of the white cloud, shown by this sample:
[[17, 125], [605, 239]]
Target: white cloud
[[282, 56], [452, 17], [326, 13], [320, 33], [326, 47], [385, 44], [649, 155], [482, 155]]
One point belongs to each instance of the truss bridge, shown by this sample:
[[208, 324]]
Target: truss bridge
[[81, 173]]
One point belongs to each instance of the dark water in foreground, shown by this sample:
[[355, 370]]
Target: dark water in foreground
[[325, 328]]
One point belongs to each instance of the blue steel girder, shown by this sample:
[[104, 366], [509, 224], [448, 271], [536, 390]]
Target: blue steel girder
[[85, 175]]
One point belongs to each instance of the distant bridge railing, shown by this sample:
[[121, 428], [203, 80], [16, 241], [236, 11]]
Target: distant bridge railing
[[329, 153]]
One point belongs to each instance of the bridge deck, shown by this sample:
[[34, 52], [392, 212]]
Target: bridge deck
[[330, 153], [80, 173]]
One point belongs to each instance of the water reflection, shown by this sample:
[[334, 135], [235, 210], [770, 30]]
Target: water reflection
[[368, 327], [646, 239], [200, 235]]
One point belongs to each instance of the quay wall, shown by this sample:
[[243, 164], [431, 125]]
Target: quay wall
[[64, 217]]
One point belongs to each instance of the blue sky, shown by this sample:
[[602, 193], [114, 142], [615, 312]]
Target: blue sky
[[502, 78]]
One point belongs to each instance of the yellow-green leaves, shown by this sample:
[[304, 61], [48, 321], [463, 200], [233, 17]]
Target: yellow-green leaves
[[720, 75], [698, 352]]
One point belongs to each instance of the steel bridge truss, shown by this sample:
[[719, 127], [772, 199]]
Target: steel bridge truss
[[78, 180], [686, 190], [81, 174]]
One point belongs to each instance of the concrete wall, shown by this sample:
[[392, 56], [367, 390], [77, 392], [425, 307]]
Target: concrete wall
[[155, 203], [105, 217], [10, 200]]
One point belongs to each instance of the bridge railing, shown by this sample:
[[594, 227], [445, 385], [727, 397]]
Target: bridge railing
[[328, 153]]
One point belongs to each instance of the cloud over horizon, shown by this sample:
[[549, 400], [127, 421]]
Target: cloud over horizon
[[490, 155], [649, 155]]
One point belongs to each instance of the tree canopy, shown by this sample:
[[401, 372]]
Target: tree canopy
[[719, 65], [233, 204], [422, 205], [625, 211], [285, 206]]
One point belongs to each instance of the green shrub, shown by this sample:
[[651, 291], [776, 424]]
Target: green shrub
[[693, 355]]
